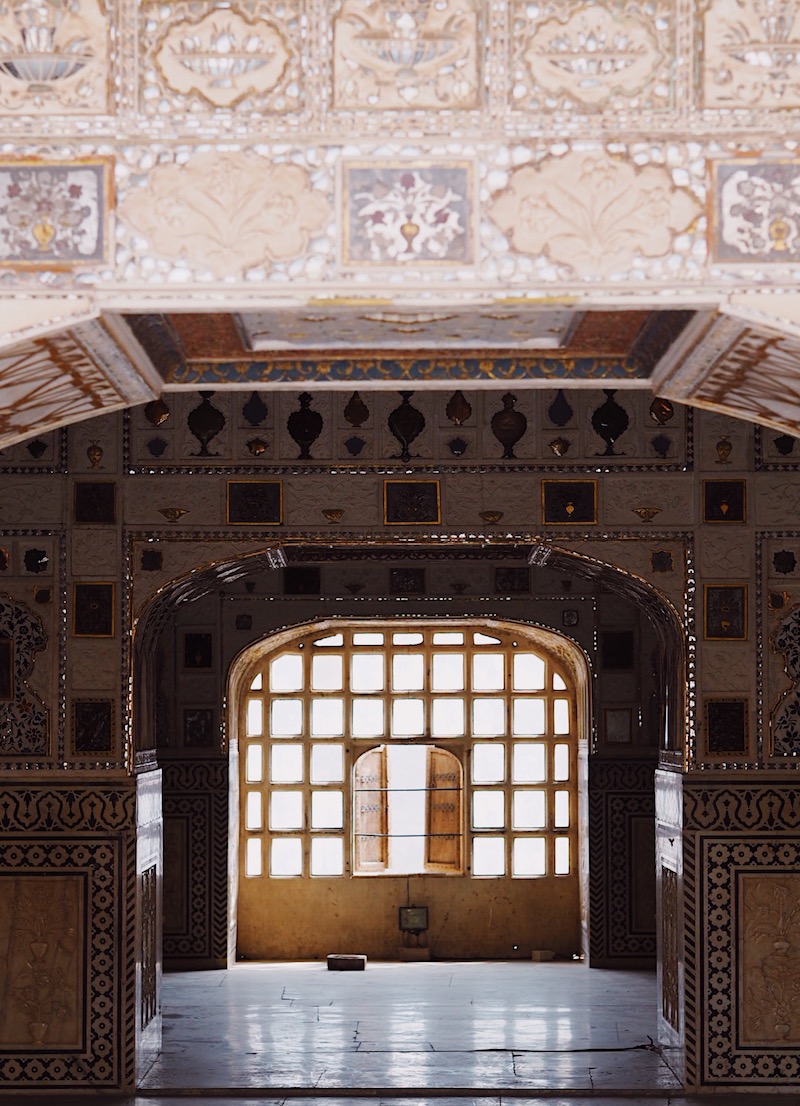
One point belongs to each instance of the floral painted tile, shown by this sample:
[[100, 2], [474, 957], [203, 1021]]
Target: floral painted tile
[[53, 214], [756, 211], [408, 214]]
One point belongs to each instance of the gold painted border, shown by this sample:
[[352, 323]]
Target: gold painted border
[[725, 521], [579, 522], [710, 637], [473, 226], [106, 221], [94, 584], [730, 755], [424, 522], [253, 480]]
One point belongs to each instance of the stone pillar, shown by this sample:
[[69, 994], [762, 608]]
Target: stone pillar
[[669, 898], [741, 853], [67, 934], [149, 887]]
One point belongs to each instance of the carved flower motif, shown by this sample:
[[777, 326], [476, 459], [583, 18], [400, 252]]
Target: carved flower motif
[[595, 214], [227, 212]]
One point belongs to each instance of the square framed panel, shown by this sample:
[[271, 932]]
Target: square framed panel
[[92, 726], [724, 501], [727, 727], [618, 725], [569, 502], [198, 727], [93, 610], [198, 650], [411, 502], [725, 612], [96, 502], [255, 502]]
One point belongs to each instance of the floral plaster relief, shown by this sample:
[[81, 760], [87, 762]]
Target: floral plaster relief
[[771, 960], [591, 54], [592, 212], [751, 54], [224, 56], [53, 56], [227, 212], [413, 54]]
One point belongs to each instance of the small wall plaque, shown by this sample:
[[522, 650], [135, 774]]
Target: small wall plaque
[[411, 502], [407, 581], [726, 727], [618, 723], [92, 725], [723, 501], [255, 502], [198, 727], [95, 502], [197, 650], [569, 502], [302, 580], [512, 581], [93, 610], [725, 612]]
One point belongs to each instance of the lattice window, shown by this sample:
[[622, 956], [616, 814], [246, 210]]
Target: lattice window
[[409, 748]]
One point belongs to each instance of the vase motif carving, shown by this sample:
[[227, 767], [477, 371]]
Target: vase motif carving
[[771, 969]]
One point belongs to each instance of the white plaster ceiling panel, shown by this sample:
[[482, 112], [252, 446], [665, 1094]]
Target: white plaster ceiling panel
[[244, 55], [54, 57], [335, 327], [226, 213], [751, 54], [592, 57], [415, 54]]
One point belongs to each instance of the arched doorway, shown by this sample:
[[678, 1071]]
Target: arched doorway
[[440, 756]]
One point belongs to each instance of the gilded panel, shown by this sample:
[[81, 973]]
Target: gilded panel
[[593, 57], [416, 54], [54, 57], [245, 55]]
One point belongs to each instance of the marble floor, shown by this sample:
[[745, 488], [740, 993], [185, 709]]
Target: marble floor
[[403, 1034]]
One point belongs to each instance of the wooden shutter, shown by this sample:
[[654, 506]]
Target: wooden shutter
[[370, 812], [443, 844]]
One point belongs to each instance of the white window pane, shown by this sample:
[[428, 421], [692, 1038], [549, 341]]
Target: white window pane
[[327, 717], [561, 812], [488, 763], [448, 672], [335, 641], [253, 818], [528, 856], [485, 639], [406, 639], [561, 762], [528, 672], [447, 719], [368, 718], [327, 856], [286, 717], [326, 673], [367, 639], [257, 683], [327, 763], [327, 810], [286, 856], [255, 718], [528, 717], [286, 810], [488, 717], [286, 764], [529, 810], [367, 672], [408, 717], [448, 638], [529, 762], [558, 683], [488, 672], [562, 856], [286, 673], [408, 672], [254, 763], [253, 864], [488, 809], [489, 856], [561, 715]]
